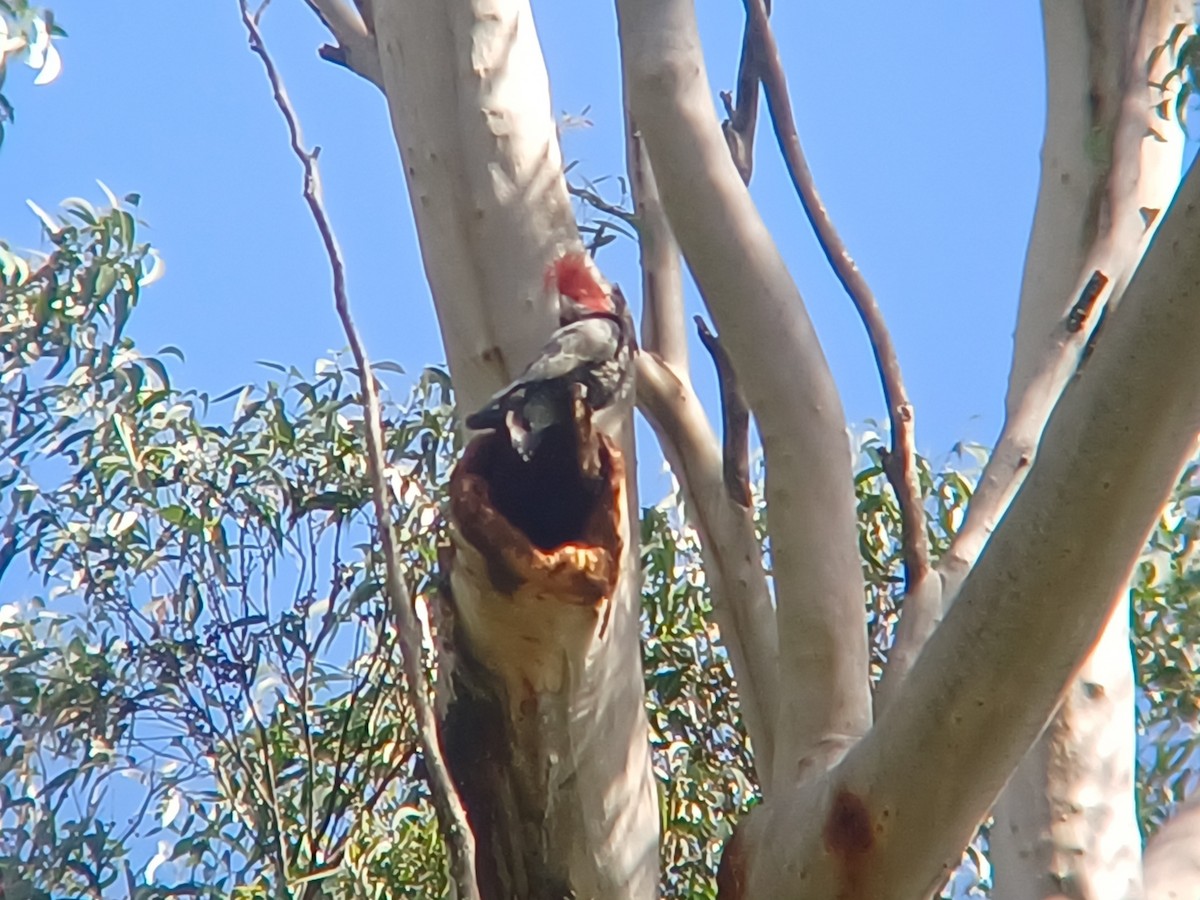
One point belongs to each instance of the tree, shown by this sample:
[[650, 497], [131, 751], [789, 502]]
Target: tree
[[865, 792]]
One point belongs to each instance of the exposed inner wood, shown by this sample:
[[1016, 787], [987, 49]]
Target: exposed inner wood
[[547, 520]]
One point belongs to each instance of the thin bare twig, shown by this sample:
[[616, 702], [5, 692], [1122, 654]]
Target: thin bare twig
[[735, 418], [742, 117], [900, 463], [451, 814], [597, 202]]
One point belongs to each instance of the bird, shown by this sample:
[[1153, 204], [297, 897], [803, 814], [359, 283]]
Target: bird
[[590, 354]]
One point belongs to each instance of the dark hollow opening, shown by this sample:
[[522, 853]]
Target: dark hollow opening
[[548, 499]]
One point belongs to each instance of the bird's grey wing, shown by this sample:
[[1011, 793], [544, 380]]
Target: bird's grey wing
[[580, 343]]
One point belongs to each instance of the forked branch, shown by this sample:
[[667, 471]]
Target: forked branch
[[1101, 167], [900, 464], [729, 544], [451, 815], [761, 318]]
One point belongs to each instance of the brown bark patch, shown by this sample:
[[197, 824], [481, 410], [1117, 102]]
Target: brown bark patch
[[731, 873], [545, 521], [850, 839]]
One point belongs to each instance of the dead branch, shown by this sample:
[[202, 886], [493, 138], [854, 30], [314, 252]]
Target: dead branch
[[355, 48], [900, 465], [742, 117], [735, 417], [451, 815]]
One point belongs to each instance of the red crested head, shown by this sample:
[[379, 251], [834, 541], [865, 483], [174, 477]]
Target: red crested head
[[574, 277]]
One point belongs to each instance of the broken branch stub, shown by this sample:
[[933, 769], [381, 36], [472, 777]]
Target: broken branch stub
[[531, 574]]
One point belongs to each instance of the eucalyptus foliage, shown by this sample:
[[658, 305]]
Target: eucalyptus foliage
[[211, 671], [26, 35], [200, 692]]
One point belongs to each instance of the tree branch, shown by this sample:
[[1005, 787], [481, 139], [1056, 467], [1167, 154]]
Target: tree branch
[[992, 674], [1067, 813], [1172, 858], [1088, 221], [594, 200], [735, 416], [469, 102], [761, 318], [729, 546], [451, 815], [355, 48], [900, 464], [742, 118], [663, 329]]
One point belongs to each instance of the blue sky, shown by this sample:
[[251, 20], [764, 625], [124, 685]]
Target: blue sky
[[922, 122]]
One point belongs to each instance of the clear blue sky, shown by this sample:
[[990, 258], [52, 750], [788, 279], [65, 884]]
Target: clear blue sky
[[922, 122]]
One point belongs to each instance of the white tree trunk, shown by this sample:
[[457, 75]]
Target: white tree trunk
[[1066, 825], [549, 730], [553, 671]]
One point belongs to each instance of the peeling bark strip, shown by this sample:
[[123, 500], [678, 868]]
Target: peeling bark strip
[[1087, 299], [535, 561]]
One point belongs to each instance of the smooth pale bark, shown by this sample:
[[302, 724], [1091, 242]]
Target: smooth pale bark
[[663, 330], [1089, 219], [1066, 825], [729, 544], [1172, 859], [469, 99], [892, 819], [729, 547], [825, 699]]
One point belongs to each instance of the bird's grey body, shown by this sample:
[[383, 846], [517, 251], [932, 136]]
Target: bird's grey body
[[592, 352]]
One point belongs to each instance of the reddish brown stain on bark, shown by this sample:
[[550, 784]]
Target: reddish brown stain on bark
[[543, 523], [850, 839], [731, 874]]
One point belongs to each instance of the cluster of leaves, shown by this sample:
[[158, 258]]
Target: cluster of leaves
[[1166, 641], [26, 34], [214, 667], [946, 493], [702, 759]]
